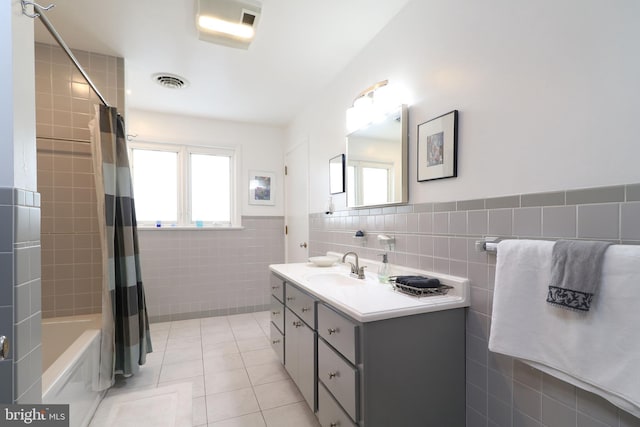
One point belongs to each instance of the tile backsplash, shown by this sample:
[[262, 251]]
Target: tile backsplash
[[441, 237]]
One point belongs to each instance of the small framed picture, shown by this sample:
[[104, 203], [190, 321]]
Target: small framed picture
[[261, 188], [437, 147]]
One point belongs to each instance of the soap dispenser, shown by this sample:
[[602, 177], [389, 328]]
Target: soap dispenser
[[383, 270]]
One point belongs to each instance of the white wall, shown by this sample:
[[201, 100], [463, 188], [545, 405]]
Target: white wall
[[547, 94], [17, 102], [259, 147]]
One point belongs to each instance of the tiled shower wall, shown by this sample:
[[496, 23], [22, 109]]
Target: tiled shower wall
[[210, 272], [501, 391], [20, 300], [71, 256]]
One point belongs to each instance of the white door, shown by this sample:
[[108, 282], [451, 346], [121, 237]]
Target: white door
[[297, 203]]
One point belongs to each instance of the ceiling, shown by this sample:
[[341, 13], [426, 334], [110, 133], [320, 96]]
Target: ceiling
[[300, 46]]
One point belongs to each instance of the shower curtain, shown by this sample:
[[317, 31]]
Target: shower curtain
[[125, 336]]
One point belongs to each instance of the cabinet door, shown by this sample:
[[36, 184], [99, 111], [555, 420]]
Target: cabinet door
[[291, 344], [306, 364], [300, 356]]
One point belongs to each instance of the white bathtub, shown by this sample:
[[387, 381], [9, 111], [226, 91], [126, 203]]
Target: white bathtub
[[70, 358]]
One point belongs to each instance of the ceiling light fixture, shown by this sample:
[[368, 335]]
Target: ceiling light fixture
[[227, 22], [373, 105]]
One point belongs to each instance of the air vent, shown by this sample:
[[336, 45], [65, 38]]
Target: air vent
[[170, 81]]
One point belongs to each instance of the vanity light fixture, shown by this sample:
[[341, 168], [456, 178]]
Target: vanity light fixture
[[372, 105], [227, 22]]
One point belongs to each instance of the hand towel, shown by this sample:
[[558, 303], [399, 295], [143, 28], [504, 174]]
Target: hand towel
[[576, 270], [600, 352]]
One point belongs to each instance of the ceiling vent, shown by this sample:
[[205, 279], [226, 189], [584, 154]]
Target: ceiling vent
[[170, 81], [227, 22]]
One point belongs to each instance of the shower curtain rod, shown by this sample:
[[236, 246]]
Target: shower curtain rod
[[39, 13]]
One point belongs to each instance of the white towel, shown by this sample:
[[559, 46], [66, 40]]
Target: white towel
[[598, 351]]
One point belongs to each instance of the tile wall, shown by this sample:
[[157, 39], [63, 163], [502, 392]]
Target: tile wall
[[201, 273], [71, 256], [501, 392], [20, 299]]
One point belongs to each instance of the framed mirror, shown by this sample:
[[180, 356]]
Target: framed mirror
[[376, 162], [336, 174]]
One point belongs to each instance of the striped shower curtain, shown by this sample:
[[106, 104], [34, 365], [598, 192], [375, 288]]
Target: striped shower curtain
[[125, 337]]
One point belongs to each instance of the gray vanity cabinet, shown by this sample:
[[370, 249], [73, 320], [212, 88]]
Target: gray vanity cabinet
[[406, 371]]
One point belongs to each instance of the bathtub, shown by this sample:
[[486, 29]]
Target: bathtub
[[70, 358]]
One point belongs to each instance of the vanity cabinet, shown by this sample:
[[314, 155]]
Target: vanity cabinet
[[401, 371]]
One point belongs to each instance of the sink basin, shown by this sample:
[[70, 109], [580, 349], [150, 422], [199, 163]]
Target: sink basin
[[335, 279]]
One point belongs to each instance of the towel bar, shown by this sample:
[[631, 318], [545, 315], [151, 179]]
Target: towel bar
[[489, 244]]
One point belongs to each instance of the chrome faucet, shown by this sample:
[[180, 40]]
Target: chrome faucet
[[356, 270]]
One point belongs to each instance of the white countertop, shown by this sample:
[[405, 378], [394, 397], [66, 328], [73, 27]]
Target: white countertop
[[368, 300]]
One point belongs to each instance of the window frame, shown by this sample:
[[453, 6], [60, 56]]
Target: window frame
[[184, 195]]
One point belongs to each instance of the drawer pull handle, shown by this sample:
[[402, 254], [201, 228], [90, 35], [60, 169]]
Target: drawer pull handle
[[305, 309], [334, 424], [275, 341], [333, 331], [297, 324], [290, 298], [333, 375], [275, 313]]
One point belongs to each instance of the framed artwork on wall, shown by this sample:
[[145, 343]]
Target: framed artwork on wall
[[261, 188], [437, 147]]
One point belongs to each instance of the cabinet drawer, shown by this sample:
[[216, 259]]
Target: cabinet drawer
[[330, 414], [277, 342], [339, 377], [301, 304], [338, 331], [277, 287], [277, 313]]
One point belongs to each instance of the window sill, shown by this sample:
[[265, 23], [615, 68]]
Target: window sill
[[189, 228]]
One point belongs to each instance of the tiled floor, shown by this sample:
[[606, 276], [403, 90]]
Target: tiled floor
[[236, 378]]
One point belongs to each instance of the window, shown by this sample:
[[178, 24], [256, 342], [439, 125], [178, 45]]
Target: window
[[369, 183], [183, 185]]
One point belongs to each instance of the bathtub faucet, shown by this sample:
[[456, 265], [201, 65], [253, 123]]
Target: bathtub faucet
[[356, 270]]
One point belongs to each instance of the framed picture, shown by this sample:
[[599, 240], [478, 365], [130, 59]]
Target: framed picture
[[336, 174], [437, 147], [261, 188]]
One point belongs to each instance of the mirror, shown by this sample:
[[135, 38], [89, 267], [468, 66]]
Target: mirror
[[377, 162], [336, 174]]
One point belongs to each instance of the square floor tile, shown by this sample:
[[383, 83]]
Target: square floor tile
[[219, 348], [226, 381], [199, 411], [295, 415], [267, 373], [182, 354], [253, 344], [197, 385], [231, 404], [277, 394], [223, 362], [251, 420], [259, 357], [181, 370]]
